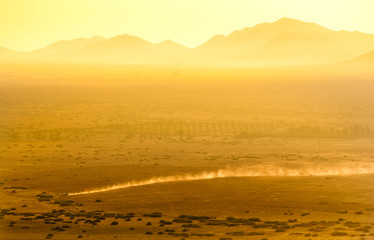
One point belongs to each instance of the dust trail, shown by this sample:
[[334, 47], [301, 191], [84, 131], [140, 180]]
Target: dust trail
[[241, 172]]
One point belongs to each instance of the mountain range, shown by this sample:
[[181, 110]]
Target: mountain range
[[284, 42]]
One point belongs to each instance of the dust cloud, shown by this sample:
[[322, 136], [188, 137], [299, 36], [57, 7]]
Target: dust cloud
[[256, 171]]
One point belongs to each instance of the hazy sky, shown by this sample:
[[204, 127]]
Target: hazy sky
[[31, 24]]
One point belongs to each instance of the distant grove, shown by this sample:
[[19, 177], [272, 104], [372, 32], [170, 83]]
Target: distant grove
[[165, 129]]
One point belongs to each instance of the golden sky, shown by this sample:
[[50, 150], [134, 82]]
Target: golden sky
[[31, 24]]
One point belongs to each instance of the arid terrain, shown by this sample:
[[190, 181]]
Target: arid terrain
[[287, 157]]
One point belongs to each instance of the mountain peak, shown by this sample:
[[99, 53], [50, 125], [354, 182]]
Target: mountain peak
[[168, 42], [123, 40], [290, 24], [98, 38], [286, 20], [126, 37]]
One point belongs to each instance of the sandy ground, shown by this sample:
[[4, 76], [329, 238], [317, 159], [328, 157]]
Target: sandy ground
[[56, 140], [303, 207]]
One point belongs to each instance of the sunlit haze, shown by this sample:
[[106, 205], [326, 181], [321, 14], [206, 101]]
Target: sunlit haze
[[27, 25], [186, 119]]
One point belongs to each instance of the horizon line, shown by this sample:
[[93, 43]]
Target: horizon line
[[169, 39]]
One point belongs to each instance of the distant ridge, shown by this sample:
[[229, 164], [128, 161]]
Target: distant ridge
[[9, 55], [67, 46], [368, 57], [287, 41], [284, 42]]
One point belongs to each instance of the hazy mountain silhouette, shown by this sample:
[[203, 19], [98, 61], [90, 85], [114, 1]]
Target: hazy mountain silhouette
[[252, 37], [367, 57], [66, 46], [284, 42], [128, 49], [9, 55]]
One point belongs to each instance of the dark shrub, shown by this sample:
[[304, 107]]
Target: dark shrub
[[338, 234]]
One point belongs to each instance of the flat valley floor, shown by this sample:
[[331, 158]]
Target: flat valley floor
[[56, 141]]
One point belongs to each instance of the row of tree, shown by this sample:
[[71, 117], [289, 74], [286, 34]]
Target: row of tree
[[182, 129]]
